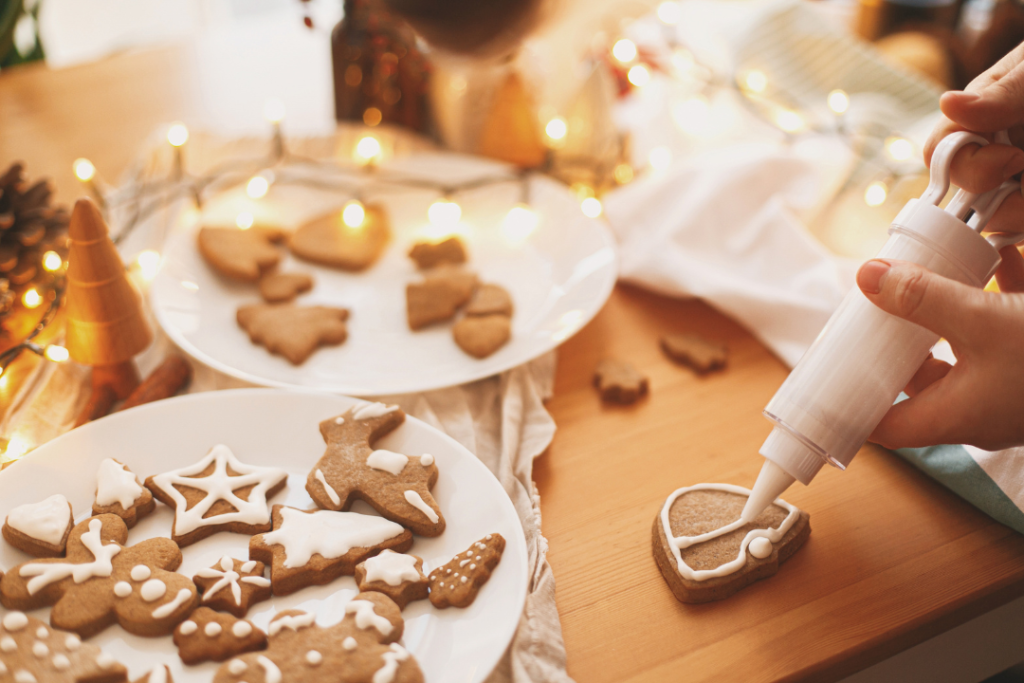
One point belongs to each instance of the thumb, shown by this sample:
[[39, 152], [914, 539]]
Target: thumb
[[990, 108], [908, 291]]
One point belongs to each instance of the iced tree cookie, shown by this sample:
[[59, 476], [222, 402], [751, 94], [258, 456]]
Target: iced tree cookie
[[456, 583], [395, 485], [398, 576], [118, 492], [218, 493], [233, 585], [705, 552], [32, 652], [294, 332], [102, 581], [328, 240], [241, 254], [208, 636], [314, 547], [40, 529]]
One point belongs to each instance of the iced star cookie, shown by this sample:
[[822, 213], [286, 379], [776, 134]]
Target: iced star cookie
[[398, 576], [218, 493], [40, 529], [102, 581], [456, 583], [705, 552], [361, 648], [395, 485], [208, 636], [314, 547], [233, 585], [118, 492], [32, 652]]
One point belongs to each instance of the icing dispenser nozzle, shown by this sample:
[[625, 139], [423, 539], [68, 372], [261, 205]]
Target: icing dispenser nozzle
[[770, 484]]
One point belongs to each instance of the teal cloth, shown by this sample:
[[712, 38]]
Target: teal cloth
[[954, 468]]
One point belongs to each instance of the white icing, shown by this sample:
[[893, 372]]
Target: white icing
[[188, 627], [72, 643], [226, 578], [22, 676], [339, 420], [331, 493], [367, 617], [426, 460], [392, 568], [271, 674], [248, 566], [44, 521], [372, 410], [241, 629], [166, 610], [395, 654], [481, 546], [39, 649], [237, 667], [327, 533], [477, 558], [226, 564], [3, 669], [464, 579], [463, 563], [292, 622], [472, 566], [760, 547], [387, 461], [61, 662], [314, 658], [349, 643], [212, 629], [487, 537], [158, 675], [105, 661], [153, 590], [15, 621], [45, 574], [256, 581], [676, 543], [141, 572], [41, 632], [219, 485], [417, 502], [115, 484]]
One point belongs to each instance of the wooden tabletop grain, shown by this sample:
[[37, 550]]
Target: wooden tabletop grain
[[893, 557]]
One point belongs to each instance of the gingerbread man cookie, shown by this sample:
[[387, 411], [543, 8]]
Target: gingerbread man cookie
[[241, 254], [457, 582], [118, 492], [294, 332], [233, 585], [395, 485], [102, 581], [40, 529], [208, 636], [314, 547], [32, 652], [398, 576], [361, 648], [218, 493]]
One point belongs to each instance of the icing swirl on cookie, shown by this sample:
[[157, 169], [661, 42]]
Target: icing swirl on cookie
[[327, 533]]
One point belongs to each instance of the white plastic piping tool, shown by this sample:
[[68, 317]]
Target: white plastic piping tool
[[843, 386]]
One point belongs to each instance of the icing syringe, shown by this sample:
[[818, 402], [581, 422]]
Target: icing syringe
[[864, 357]]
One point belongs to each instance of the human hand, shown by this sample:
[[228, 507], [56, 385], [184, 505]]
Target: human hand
[[980, 400], [992, 102]]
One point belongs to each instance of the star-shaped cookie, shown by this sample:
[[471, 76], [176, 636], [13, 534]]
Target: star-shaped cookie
[[398, 576], [294, 332], [233, 585], [395, 485]]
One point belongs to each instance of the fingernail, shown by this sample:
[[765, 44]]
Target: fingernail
[[968, 97], [869, 277]]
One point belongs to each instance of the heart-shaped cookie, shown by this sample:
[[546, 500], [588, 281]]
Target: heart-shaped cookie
[[330, 241], [40, 529], [482, 335]]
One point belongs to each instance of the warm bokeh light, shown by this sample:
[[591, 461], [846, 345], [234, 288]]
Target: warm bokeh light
[[838, 101], [52, 261], [693, 115], [244, 220], [660, 158], [149, 264], [624, 50], [177, 135], [899, 149], [353, 214], [591, 207], [556, 128], [257, 186], [273, 110], [876, 193], [682, 60], [670, 12], [84, 170], [788, 120], [444, 213], [755, 81], [623, 174], [520, 222], [31, 298], [367, 149], [372, 116], [58, 354], [639, 75], [16, 448]]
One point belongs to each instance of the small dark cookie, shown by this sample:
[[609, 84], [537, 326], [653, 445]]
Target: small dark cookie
[[457, 582], [619, 382], [699, 354], [233, 585]]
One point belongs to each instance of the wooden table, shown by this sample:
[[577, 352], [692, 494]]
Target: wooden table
[[893, 558]]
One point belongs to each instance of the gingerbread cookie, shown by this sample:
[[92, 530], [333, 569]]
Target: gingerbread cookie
[[361, 648], [40, 529], [118, 492], [398, 576], [294, 332], [158, 674], [233, 585], [208, 636], [482, 335], [432, 254], [102, 581], [329, 241], [705, 552], [699, 354], [395, 485], [32, 652], [282, 287], [314, 547], [241, 254], [438, 296], [489, 299], [619, 382], [218, 493], [457, 582]]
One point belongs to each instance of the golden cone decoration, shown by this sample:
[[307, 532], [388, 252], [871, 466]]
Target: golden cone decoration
[[105, 323], [511, 132]]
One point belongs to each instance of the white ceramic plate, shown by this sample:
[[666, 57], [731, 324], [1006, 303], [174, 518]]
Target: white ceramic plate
[[559, 277], [280, 428]]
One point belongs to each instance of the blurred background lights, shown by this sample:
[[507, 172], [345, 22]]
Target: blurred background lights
[[693, 115], [444, 213], [876, 193], [58, 354], [257, 187], [623, 174], [556, 128], [353, 214], [639, 75], [755, 81], [682, 60], [788, 120], [660, 158], [520, 222], [52, 261], [899, 149], [838, 101], [177, 135], [244, 220], [591, 207], [368, 148], [31, 298], [273, 110], [149, 264], [624, 50], [84, 170], [670, 12]]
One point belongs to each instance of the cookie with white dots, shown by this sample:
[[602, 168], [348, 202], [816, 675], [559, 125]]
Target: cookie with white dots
[[208, 636], [233, 585], [40, 529], [32, 652], [456, 583], [396, 575]]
